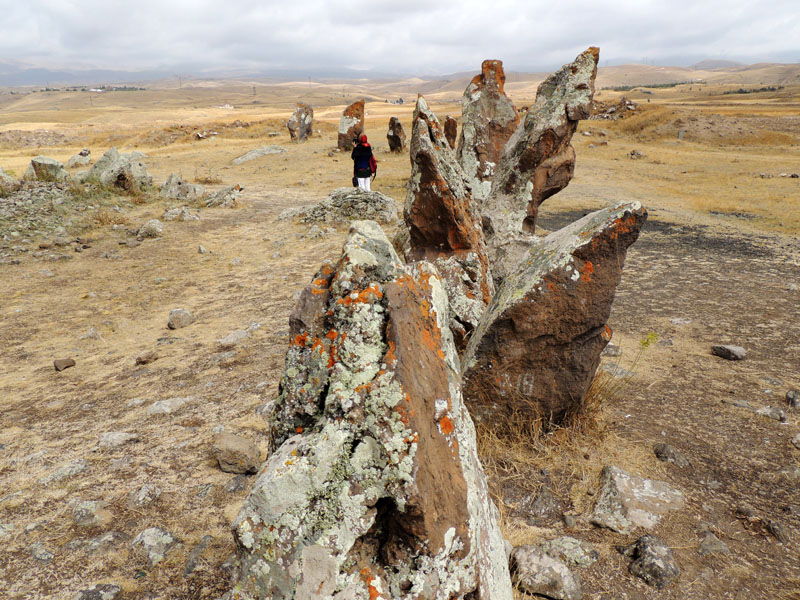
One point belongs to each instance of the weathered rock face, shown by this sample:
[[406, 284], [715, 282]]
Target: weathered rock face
[[396, 136], [300, 123], [451, 131], [176, 188], [538, 160], [443, 225], [351, 125], [538, 345], [224, 198], [46, 169], [374, 489], [124, 171], [349, 204], [81, 159], [488, 121]]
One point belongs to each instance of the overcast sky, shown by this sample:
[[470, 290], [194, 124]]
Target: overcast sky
[[425, 37]]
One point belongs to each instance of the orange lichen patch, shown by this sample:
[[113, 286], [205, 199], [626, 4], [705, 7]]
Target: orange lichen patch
[[446, 425], [389, 358], [326, 269], [586, 273], [607, 333], [298, 429], [367, 578], [300, 339], [332, 334], [412, 439], [373, 292]]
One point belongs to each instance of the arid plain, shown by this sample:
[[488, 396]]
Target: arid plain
[[717, 262]]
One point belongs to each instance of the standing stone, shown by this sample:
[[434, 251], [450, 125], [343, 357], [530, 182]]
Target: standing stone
[[443, 225], [351, 125], [537, 347], [46, 169], [538, 160], [488, 120], [374, 488], [396, 136], [652, 561], [300, 123], [123, 171], [450, 131]]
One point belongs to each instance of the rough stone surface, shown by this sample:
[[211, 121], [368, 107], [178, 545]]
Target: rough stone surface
[[627, 501], [175, 188], [194, 557], [147, 494], [151, 229], [796, 441], [102, 591], [729, 352], [488, 121], [711, 544], [571, 551], [46, 169], [351, 124], [114, 439], [236, 454], [538, 160], [60, 364], [7, 183], [167, 407], [670, 454], [652, 561], [40, 552], [537, 346], [179, 318], [538, 573], [233, 339], [443, 225], [65, 471], [124, 171], [396, 136], [793, 398], [258, 153], [81, 159], [349, 204], [155, 542], [300, 124], [91, 513], [451, 131], [224, 198], [373, 488]]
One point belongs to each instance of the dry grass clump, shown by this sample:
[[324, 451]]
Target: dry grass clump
[[106, 217], [647, 118]]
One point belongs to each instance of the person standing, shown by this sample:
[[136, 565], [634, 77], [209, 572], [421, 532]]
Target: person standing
[[364, 163]]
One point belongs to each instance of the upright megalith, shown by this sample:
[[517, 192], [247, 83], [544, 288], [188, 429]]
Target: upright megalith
[[396, 136], [450, 131], [299, 124], [443, 225], [488, 121], [538, 160], [351, 125], [374, 488], [537, 347]]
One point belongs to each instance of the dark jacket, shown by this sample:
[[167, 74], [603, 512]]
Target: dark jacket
[[362, 160]]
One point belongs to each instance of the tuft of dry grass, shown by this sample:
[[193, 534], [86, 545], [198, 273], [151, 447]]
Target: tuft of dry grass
[[105, 217]]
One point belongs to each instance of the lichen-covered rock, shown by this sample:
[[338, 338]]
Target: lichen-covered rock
[[627, 501], [258, 153], [450, 131], [151, 229], [81, 159], [374, 488], [349, 204], [538, 160], [101, 591], [175, 188], [443, 225], [300, 123], [537, 347], [573, 552], [236, 454], [179, 318], [179, 213], [538, 573], [124, 171], [396, 136], [652, 561], [488, 120], [46, 169], [91, 513], [351, 125], [155, 542], [224, 198]]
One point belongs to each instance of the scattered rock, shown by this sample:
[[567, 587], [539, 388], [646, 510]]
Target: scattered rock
[[196, 553], [152, 229], [63, 363], [258, 153], [124, 171], [202, 249], [300, 124], [652, 561], [175, 188], [40, 552], [729, 352], [147, 494], [236, 454], [6, 530], [612, 350], [224, 198], [155, 542], [711, 544], [778, 530], [147, 358], [102, 591], [234, 338], [65, 471], [179, 318], [81, 159], [796, 441], [114, 439], [46, 169], [351, 125], [793, 398], [348, 204], [167, 407], [237, 484], [772, 413], [179, 214], [627, 501], [636, 155], [450, 131], [396, 136], [535, 572], [572, 552], [91, 513], [670, 454]]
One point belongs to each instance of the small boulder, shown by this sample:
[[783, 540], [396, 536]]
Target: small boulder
[[152, 229], [179, 318], [181, 213], [729, 352], [46, 169], [102, 591], [652, 561], [147, 357], [535, 572], [114, 439], [224, 198], [63, 363], [711, 544], [175, 188], [167, 407], [258, 153], [236, 454], [155, 542], [123, 171], [234, 338], [81, 159], [91, 513], [147, 494], [793, 398], [40, 552], [571, 551], [670, 454]]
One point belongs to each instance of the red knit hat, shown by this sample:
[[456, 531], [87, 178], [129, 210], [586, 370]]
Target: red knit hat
[[363, 137]]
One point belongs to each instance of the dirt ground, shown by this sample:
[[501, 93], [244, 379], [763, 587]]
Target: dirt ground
[[718, 262]]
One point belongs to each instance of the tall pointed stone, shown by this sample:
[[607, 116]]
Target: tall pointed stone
[[374, 488], [443, 225], [351, 125], [451, 131], [537, 347], [300, 123], [488, 121], [396, 135]]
